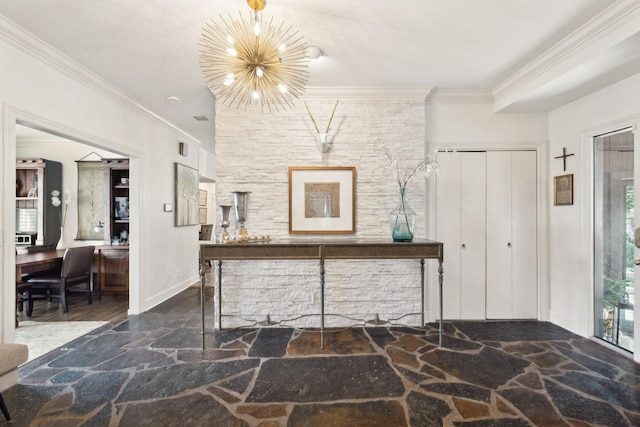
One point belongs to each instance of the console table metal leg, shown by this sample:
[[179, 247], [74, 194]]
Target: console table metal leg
[[202, 283], [422, 292], [218, 315], [322, 303], [440, 271]]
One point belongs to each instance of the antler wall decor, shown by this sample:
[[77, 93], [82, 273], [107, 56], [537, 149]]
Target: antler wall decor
[[321, 141]]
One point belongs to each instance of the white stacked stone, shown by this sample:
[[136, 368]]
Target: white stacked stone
[[253, 153]]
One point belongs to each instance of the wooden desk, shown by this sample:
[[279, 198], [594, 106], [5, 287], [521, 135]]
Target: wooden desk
[[35, 263], [321, 250]]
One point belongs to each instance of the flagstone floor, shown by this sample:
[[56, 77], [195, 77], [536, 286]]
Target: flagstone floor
[[150, 370]]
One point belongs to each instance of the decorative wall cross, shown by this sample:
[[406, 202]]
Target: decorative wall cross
[[564, 158]]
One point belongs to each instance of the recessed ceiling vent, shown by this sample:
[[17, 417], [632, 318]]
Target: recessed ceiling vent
[[201, 118]]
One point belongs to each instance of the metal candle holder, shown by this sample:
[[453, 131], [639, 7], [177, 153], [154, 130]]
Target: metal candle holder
[[224, 221], [240, 203]]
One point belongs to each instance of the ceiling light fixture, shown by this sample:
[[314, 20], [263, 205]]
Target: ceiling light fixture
[[248, 62]]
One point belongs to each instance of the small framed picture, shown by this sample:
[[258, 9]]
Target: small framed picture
[[202, 215], [322, 200], [563, 190], [121, 207], [202, 198], [33, 192]]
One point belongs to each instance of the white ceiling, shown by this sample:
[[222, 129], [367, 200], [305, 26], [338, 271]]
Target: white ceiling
[[150, 48]]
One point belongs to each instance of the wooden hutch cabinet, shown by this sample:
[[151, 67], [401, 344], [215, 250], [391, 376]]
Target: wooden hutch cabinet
[[113, 271], [37, 220], [113, 259]]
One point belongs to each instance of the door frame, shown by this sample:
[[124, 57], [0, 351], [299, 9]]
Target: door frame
[[587, 294], [11, 117]]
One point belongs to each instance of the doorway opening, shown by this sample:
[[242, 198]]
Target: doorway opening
[[48, 327], [614, 214]]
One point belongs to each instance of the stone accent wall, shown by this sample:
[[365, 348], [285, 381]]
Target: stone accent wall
[[253, 153]]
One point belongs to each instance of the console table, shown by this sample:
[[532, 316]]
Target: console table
[[320, 250]]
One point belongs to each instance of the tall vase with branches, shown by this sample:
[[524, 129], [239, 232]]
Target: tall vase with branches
[[63, 206], [402, 218]]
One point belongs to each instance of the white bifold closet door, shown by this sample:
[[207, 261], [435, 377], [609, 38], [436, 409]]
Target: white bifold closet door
[[511, 235], [460, 225]]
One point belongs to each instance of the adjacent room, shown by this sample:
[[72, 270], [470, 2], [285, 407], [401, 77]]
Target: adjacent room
[[336, 213]]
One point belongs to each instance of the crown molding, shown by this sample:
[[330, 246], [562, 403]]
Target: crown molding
[[420, 92], [47, 54], [580, 41], [460, 96]]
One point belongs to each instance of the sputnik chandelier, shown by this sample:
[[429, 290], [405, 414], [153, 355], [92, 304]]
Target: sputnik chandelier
[[247, 61]]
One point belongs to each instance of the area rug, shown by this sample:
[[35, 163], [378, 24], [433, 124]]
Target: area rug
[[43, 337]]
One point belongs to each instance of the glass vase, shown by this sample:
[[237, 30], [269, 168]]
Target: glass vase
[[402, 220]]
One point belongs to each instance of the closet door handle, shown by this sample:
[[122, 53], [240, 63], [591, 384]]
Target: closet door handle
[[509, 244], [464, 246]]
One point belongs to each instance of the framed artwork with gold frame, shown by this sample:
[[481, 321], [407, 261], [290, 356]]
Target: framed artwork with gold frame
[[563, 190], [322, 199]]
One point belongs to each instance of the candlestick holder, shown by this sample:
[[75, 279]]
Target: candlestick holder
[[224, 221], [240, 203]]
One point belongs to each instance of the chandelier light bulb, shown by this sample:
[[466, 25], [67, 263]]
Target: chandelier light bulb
[[269, 71]]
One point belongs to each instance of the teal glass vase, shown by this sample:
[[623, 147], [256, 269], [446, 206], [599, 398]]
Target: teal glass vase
[[402, 220]]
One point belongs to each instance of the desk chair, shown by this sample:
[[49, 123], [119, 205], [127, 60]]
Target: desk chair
[[76, 270]]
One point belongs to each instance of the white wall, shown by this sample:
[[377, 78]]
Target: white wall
[[570, 227], [44, 88]]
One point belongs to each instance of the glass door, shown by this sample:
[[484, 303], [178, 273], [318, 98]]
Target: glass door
[[614, 197]]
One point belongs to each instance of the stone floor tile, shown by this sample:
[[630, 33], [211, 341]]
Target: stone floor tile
[[209, 354], [175, 379], [409, 342], [535, 406], [263, 411], [412, 376], [470, 409], [136, 357], [271, 342], [321, 379], [224, 395], [402, 357], [611, 391], [195, 409], [488, 368], [573, 405], [426, 410], [530, 380], [505, 331], [381, 336], [467, 391], [381, 413], [87, 398], [238, 384], [603, 368], [344, 341]]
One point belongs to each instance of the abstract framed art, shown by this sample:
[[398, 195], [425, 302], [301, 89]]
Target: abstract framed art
[[322, 200]]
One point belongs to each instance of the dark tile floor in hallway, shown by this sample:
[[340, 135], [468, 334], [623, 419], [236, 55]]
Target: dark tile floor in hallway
[[150, 370]]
